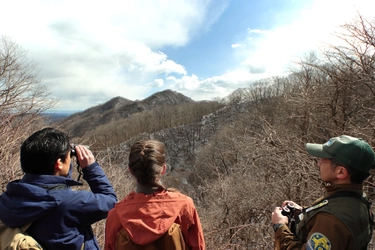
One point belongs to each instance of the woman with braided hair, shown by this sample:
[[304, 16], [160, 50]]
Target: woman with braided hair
[[152, 216]]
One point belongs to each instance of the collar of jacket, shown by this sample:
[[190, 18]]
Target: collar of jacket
[[334, 188], [49, 179]]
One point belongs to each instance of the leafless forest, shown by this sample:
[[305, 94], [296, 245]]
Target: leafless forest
[[238, 157]]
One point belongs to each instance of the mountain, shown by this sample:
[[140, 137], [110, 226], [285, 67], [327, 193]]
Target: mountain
[[54, 117], [117, 108], [166, 97]]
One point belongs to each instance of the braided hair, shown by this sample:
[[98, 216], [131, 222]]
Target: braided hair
[[146, 162]]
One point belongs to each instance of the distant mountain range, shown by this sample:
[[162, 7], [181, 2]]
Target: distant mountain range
[[79, 123], [54, 116]]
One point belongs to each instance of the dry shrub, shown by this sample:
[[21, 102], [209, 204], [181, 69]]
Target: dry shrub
[[242, 174]]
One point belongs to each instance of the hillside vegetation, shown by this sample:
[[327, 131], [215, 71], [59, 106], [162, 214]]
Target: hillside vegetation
[[240, 157], [117, 108]]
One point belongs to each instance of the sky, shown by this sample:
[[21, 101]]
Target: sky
[[88, 52]]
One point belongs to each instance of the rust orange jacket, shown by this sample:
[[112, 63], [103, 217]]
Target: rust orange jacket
[[148, 217]]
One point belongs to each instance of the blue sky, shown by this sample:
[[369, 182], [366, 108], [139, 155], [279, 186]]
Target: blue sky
[[88, 52]]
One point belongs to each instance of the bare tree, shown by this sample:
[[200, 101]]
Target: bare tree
[[22, 100], [345, 88]]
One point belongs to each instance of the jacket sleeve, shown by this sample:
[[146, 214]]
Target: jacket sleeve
[[96, 204], [286, 240], [193, 233], [112, 227], [323, 230]]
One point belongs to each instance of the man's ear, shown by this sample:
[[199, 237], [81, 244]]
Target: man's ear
[[341, 172], [58, 165]]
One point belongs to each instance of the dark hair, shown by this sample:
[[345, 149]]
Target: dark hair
[[146, 161], [42, 149], [355, 175]]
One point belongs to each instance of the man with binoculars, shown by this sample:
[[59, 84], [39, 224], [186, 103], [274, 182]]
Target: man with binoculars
[[60, 217], [342, 218]]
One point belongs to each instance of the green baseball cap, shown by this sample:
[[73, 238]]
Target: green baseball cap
[[350, 151]]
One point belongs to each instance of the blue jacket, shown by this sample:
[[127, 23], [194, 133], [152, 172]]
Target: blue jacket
[[61, 216]]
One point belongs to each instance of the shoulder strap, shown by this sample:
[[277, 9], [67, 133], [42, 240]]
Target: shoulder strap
[[351, 194]]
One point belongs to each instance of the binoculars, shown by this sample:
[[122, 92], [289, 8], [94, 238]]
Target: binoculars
[[288, 210], [293, 216], [73, 152]]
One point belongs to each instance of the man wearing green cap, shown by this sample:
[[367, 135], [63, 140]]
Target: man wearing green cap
[[341, 219]]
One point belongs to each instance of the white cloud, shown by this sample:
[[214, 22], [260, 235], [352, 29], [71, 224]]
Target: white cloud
[[186, 82], [217, 86], [91, 51], [236, 45], [274, 51], [156, 83], [258, 31]]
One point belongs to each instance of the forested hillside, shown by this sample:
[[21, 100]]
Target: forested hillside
[[240, 157], [115, 109]]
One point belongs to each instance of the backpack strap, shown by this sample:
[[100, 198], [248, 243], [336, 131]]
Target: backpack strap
[[25, 227]]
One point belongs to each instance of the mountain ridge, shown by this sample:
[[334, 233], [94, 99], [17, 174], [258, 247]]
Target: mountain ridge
[[117, 108]]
